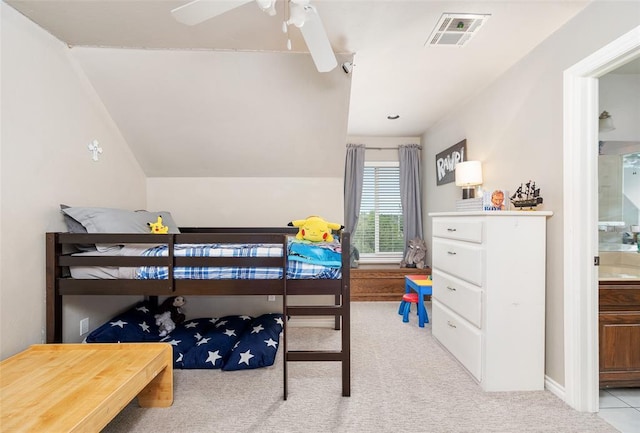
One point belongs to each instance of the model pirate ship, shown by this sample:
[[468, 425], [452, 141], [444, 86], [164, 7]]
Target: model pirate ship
[[526, 196]]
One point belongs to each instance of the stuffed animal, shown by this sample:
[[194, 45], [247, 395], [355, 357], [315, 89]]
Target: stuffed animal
[[416, 255], [315, 229], [173, 305], [164, 322], [157, 227], [354, 256]]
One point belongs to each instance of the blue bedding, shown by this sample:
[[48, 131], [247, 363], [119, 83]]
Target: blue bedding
[[316, 253], [227, 343], [318, 260]]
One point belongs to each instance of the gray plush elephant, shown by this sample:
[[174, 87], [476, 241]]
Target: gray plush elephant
[[416, 255]]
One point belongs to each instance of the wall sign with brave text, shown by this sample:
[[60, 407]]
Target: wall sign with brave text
[[446, 162]]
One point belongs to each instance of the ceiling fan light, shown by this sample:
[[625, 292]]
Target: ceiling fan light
[[297, 15], [268, 6]]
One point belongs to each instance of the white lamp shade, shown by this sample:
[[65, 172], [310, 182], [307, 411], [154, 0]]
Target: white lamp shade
[[605, 124], [469, 173]]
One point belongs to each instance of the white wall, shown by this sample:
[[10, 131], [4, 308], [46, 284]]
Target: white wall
[[515, 128], [619, 95], [246, 202], [49, 115]]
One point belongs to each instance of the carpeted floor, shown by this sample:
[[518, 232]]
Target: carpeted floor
[[402, 381]]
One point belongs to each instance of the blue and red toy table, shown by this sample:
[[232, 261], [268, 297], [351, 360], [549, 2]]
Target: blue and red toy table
[[422, 285]]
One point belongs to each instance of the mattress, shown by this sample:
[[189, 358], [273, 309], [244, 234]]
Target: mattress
[[305, 261]]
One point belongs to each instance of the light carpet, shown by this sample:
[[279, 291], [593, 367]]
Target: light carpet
[[402, 381]]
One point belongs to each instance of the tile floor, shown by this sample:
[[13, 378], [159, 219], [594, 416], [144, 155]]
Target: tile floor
[[620, 407]]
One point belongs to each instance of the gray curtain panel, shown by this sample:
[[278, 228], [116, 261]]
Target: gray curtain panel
[[411, 191], [353, 175]]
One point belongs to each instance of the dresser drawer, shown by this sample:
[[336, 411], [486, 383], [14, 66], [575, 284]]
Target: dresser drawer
[[459, 337], [469, 230], [463, 260], [461, 297]]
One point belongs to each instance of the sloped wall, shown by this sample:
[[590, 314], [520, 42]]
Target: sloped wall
[[191, 113], [49, 115]]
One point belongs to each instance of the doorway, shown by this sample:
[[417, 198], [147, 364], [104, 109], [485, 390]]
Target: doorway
[[580, 208]]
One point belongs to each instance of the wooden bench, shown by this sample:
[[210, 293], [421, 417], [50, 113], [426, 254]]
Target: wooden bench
[[380, 282], [81, 387]]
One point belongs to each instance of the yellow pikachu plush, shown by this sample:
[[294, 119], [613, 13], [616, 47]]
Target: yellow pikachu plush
[[157, 227], [315, 229]]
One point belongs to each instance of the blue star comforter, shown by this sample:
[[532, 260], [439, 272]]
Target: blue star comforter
[[227, 343]]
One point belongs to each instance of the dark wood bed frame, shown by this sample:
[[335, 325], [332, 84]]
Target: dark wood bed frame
[[58, 284]]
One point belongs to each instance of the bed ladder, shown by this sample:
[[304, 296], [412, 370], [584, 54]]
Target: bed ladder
[[341, 311]]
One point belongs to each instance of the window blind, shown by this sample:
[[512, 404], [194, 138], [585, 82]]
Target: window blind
[[379, 233]]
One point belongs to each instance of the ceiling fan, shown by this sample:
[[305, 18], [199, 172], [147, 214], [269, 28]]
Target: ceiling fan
[[301, 14]]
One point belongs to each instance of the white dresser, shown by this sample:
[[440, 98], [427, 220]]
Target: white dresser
[[489, 294]]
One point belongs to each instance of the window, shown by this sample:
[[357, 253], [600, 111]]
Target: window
[[379, 236]]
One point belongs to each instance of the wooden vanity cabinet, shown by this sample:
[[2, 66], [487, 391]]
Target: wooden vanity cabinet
[[619, 329]]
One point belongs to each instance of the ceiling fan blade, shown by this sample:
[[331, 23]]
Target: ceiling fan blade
[[198, 11], [317, 42]]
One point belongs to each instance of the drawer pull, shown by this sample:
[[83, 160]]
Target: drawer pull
[[453, 289], [451, 230], [451, 324], [451, 253]]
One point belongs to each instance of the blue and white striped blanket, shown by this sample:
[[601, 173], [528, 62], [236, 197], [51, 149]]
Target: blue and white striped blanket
[[295, 269]]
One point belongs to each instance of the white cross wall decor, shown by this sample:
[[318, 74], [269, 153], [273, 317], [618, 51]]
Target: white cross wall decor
[[95, 148]]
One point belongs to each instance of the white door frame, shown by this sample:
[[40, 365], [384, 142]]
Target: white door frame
[[580, 206]]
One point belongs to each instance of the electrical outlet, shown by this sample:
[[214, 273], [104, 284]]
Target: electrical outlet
[[84, 326], [271, 297]]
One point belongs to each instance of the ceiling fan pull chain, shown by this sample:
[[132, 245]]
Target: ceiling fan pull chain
[[285, 27]]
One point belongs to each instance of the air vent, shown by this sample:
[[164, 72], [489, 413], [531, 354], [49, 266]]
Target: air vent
[[455, 30]]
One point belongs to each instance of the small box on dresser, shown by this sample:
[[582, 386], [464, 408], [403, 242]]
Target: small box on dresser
[[488, 303]]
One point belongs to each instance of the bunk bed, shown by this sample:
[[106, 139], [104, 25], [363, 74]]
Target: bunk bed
[[278, 281]]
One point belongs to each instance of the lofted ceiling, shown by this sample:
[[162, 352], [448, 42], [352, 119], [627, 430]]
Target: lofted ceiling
[[227, 97]]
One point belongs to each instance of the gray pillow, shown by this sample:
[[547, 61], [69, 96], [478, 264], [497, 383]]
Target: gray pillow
[[74, 226], [108, 220]]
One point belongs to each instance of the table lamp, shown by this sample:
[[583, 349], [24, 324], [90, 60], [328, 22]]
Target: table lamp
[[468, 176]]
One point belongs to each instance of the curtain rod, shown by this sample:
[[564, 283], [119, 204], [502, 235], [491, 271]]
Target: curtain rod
[[386, 148]]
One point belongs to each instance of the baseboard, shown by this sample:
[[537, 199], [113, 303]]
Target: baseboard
[[554, 387], [312, 322]]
